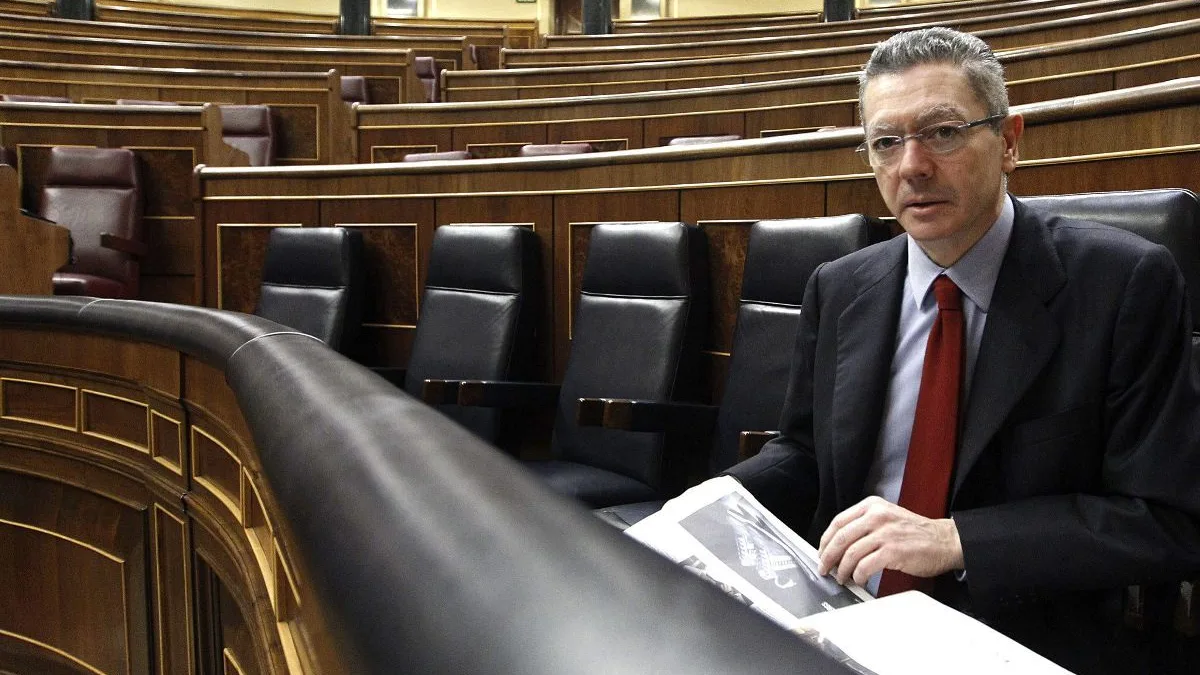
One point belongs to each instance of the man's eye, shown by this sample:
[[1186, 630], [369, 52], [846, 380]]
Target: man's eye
[[885, 143], [942, 132]]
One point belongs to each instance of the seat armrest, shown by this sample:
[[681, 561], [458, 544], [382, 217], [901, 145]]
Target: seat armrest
[[751, 442], [440, 392], [116, 243], [638, 415], [498, 394]]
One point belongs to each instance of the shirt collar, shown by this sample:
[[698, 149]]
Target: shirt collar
[[975, 272]]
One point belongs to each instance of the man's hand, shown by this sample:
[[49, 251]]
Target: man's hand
[[875, 534]]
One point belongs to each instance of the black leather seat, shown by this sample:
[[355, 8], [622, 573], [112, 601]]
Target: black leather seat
[[312, 282], [643, 309], [780, 257], [97, 194], [1170, 217], [480, 311]]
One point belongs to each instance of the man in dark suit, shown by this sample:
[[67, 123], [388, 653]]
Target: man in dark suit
[[999, 407]]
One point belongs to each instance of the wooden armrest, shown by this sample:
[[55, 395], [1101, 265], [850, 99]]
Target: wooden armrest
[[116, 243], [751, 442], [638, 415], [496, 394]]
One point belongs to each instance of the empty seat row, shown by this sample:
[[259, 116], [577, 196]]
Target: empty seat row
[[630, 429]]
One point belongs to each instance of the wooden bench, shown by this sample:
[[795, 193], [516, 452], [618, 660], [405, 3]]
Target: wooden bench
[[1141, 137], [1006, 31], [1175, 39], [311, 121], [386, 133], [390, 73], [450, 51], [168, 141], [700, 22], [810, 28], [210, 16]]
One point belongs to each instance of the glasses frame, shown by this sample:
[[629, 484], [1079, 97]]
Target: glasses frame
[[864, 149]]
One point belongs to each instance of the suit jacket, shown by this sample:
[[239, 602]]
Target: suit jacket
[[1078, 467]]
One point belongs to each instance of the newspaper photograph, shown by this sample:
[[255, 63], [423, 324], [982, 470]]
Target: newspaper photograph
[[719, 531]]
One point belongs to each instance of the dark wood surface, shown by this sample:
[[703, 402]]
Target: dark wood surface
[[34, 249]]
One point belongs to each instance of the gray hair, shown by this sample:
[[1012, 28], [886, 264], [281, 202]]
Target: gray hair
[[940, 45]]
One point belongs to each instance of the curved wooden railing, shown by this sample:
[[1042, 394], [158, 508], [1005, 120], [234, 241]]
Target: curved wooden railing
[[186, 490]]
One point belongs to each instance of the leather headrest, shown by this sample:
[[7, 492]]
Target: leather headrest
[[354, 89], [33, 98], [655, 256], [702, 140], [533, 150], [245, 120], [1169, 217], [99, 167], [499, 272], [137, 101], [782, 254], [426, 66], [449, 155], [8, 156], [310, 256]]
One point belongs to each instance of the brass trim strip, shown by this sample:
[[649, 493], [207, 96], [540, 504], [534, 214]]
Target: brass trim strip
[[59, 535], [53, 650]]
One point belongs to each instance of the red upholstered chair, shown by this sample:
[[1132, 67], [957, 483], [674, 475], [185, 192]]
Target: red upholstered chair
[[95, 192], [449, 155], [703, 140], [33, 98], [430, 75], [249, 129], [550, 149], [354, 89]]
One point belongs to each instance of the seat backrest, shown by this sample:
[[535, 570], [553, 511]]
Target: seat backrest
[[8, 156], [479, 315], [1169, 217], [33, 98], [92, 192], [637, 331], [429, 73], [445, 156], [249, 129], [780, 257], [354, 89], [313, 282], [550, 149]]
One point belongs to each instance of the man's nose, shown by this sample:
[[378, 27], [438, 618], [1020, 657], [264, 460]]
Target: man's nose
[[915, 160]]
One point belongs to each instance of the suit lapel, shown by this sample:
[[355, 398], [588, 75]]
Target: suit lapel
[[1018, 339], [866, 341]]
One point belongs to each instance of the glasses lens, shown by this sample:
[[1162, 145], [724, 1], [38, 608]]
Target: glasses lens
[[863, 154], [942, 138]]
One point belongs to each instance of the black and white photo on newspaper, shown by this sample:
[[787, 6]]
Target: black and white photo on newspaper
[[719, 530]]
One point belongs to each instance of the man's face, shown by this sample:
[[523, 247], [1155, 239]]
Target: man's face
[[945, 202]]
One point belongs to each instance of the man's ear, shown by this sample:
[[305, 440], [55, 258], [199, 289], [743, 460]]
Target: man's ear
[[1011, 129]]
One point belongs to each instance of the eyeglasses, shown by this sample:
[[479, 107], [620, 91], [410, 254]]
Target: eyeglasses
[[940, 139]]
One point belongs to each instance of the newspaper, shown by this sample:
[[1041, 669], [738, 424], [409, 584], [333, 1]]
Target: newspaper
[[719, 531]]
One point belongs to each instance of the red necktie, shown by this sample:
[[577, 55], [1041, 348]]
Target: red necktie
[[931, 450]]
